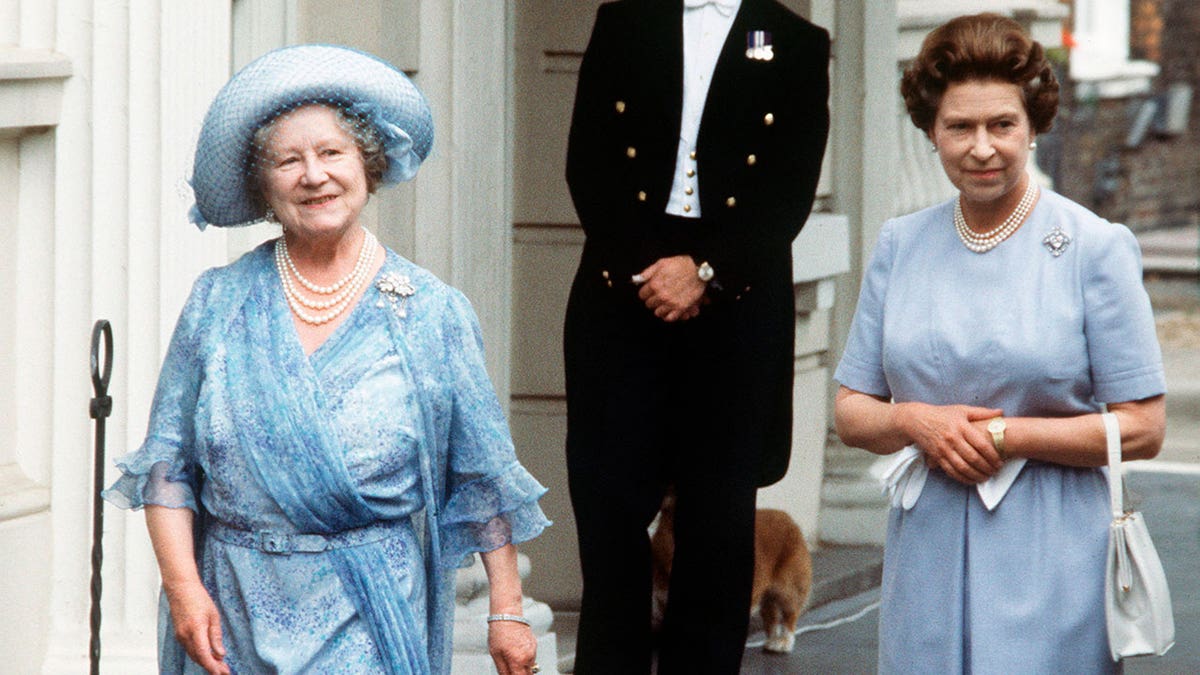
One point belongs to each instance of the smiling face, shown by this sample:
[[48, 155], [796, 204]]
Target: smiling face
[[982, 134], [312, 173]]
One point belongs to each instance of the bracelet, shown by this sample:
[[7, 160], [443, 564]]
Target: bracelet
[[508, 617]]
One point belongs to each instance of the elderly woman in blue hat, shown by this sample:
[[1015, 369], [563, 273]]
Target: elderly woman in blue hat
[[325, 447]]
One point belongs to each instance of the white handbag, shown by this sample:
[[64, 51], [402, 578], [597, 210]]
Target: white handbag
[[1137, 602]]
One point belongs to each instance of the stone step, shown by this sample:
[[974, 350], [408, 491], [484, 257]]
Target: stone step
[[1171, 264], [853, 508], [1170, 249], [1173, 295], [859, 490], [1179, 453], [1183, 398], [853, 524], [845, 462]]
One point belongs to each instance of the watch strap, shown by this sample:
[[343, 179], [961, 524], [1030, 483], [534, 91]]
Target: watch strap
[[997, 431]]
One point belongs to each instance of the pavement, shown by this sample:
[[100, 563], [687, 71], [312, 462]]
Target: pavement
[[838, 634]]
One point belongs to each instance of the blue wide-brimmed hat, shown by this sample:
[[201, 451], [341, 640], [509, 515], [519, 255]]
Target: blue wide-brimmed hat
[[284, 79]]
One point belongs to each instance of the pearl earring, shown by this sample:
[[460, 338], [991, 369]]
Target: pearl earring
[[934, 148], [1033, 145]]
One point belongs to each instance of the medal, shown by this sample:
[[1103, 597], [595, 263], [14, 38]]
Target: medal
[[758, 45]]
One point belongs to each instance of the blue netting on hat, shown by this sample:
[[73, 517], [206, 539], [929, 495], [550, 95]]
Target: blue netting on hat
[[369, 90]]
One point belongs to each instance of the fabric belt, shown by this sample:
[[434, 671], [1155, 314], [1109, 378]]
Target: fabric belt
[[284, 543]]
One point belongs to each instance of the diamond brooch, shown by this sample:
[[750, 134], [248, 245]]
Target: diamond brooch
[[397, 288], [1057, 241]]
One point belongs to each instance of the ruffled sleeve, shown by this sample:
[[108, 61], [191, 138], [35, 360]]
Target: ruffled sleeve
[[163, 470], [491, 500]]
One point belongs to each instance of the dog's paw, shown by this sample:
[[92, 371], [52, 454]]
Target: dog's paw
[[780, 640]]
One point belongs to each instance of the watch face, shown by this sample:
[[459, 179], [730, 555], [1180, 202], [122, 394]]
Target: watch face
[[705, 272], [996, 426]]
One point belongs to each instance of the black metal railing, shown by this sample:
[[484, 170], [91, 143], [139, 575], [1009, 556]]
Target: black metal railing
[[101, 408]]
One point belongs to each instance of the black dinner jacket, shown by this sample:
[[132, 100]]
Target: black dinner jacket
[[759, 149], [761, 139]]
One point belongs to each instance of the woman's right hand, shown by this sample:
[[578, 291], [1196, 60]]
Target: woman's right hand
[[197, 622], [950, 441], [198, 625]]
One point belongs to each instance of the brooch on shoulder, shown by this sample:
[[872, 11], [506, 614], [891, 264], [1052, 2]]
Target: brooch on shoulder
[[397, 288], [1057, 241]]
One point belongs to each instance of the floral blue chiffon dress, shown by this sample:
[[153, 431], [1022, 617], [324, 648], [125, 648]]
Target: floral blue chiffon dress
[[336, 492]]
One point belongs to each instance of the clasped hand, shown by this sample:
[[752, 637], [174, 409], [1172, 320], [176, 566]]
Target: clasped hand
[[953, 438], [671, 288]]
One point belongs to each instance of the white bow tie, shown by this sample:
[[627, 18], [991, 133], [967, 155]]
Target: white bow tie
[[725, 7]]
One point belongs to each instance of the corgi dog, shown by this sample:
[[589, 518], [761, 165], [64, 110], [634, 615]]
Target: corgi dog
[[782, 572]]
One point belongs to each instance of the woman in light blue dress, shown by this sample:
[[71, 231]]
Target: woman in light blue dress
[[990, 333], [325, 447]]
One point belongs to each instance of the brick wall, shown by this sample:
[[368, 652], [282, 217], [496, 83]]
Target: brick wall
[[1156, 184]]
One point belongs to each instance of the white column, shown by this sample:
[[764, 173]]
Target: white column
[[463, 228], [70, 240], [463, 194], [819, 254], [864, 144], [123, 251]]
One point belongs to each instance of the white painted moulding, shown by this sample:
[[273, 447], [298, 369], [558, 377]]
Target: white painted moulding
[[20, 496], [31, 88], [822, 249]]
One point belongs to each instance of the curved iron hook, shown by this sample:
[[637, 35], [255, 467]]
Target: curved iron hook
[[102, 402]]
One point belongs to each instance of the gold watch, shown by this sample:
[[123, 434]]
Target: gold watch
[[997, 426]]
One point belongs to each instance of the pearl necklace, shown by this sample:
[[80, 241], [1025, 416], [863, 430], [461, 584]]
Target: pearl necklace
[[349, 286], [324, 290], [982, 243]]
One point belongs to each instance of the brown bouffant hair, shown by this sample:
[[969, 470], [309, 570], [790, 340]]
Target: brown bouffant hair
[[980, 47]]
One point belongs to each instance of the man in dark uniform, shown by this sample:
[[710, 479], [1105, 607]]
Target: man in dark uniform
[[695, 149]]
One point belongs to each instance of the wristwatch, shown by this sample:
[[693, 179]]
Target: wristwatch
[[997, 426], [705, 272]]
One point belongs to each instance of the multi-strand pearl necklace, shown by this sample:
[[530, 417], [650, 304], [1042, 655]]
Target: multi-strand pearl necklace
[[338, 295], [982, 243]]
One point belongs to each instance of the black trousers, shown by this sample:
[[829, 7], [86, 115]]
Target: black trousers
[[641, 415]]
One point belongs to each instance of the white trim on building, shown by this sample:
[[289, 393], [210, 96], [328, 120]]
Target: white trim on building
[[1100, 63]]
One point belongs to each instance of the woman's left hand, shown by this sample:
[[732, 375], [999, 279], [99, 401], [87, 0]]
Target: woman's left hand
[[513, 647], [511, 643], [953, 438]]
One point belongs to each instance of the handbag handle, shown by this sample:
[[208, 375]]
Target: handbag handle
[[1112, 436]]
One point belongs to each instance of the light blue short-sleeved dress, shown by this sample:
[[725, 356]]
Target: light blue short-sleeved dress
[[387, 443], [1019, 588]]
